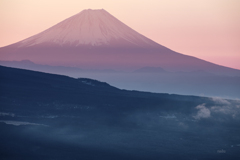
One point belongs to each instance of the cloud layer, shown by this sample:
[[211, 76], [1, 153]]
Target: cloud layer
[[203, 112]]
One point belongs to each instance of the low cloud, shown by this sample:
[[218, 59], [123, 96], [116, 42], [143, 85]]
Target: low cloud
[[220, 101], [18, 123], [234, 111], [223, 109], [226, 107], [7, 114], [183, 125], [203, 112]]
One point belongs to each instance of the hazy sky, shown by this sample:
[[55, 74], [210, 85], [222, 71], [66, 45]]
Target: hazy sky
[[207, 29]]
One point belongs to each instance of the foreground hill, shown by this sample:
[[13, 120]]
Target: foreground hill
[[46, 116]]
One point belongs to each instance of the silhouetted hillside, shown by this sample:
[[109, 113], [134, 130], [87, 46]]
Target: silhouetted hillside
[[46, 116]]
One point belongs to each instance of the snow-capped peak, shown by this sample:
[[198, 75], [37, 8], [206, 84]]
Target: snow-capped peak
[[89, 27]]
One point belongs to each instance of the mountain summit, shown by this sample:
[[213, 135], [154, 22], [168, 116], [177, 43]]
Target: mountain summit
[[94, 39], [90, 27]]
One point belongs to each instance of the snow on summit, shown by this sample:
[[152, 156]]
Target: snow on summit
[[89, 27]]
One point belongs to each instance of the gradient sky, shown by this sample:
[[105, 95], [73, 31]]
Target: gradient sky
[[207, 29]]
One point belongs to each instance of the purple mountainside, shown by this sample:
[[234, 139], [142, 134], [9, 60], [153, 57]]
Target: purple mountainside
[[94, 39]]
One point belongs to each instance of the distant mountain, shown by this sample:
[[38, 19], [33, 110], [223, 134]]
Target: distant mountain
[[150, 70], [70, 71], [159, 70], [151, 79], [94, 39]]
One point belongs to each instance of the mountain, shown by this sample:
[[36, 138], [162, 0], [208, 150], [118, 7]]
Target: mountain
[[150, 70], [90, 28], [69, 71], [94, 39], [47, 116]]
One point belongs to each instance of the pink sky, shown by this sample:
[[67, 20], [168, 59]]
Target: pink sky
[[207, 29]]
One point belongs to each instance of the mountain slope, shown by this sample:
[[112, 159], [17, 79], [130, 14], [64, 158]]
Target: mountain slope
[[89, 27], [95, 39]]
